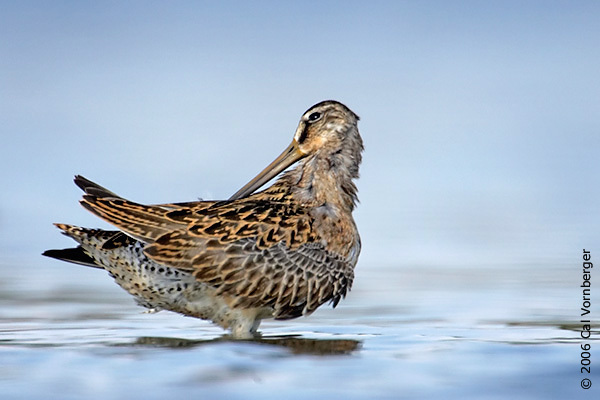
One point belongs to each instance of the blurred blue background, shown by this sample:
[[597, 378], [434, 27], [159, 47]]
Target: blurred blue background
[[479, 186], [480, 119]]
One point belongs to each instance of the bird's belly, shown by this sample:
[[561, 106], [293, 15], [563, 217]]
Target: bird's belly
[[159, 287]]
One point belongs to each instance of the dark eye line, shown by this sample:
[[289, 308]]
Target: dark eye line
[[302, 136], [315, 116]]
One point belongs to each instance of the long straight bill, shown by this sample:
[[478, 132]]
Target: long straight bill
[[285, 159]]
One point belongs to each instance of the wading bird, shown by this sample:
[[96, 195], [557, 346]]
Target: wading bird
[[278, 253]]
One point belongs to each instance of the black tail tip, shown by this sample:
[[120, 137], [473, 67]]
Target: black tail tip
[[51, 253], [74, 255]]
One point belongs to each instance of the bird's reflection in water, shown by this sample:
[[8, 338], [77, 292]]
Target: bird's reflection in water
[[295, 344]]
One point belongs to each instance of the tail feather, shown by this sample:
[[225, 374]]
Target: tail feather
[[90, 237], [85, 234], [74, 255], [145, 223], [93, 188]]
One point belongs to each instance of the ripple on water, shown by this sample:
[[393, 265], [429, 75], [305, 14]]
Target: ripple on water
[[398, 335]]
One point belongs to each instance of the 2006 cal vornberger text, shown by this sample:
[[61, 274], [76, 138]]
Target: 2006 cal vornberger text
[[586, 325]]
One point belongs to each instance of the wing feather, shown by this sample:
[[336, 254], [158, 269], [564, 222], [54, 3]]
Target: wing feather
[[293, 282], [261, 253]]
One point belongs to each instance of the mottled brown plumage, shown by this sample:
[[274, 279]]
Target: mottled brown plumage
[[279, 253]]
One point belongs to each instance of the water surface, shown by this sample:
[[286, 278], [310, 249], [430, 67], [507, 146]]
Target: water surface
[[404, 332]]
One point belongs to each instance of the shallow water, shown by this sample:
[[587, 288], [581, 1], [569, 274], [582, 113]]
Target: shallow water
[[404, 332]]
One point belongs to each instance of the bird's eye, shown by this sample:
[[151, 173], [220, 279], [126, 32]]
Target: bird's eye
[[314, 116]]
